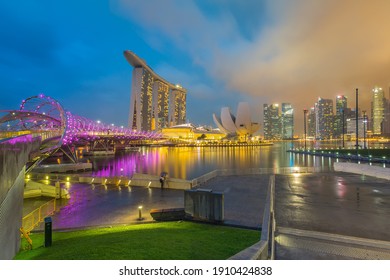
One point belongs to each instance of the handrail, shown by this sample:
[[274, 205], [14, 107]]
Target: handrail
[[31, 220]]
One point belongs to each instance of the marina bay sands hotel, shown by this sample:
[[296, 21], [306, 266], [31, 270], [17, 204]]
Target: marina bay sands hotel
[[154, 103]]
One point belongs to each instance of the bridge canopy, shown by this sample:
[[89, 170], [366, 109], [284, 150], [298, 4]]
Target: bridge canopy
[[44, 116]]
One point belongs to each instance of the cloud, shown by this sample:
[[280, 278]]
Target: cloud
[[321, 49], [204, 97], [182, 24], [300, 50]]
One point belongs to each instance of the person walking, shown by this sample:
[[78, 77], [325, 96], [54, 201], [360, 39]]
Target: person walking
[[163, 177]]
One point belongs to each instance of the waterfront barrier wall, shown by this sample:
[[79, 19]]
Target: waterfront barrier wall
[[205, 205], [138, 180], [365, 169], [265, 248], [253, 171], [36, 189], [64, 168], [14, 154], [152, 181]]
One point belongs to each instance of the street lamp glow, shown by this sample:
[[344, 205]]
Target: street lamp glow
[[140, 213]]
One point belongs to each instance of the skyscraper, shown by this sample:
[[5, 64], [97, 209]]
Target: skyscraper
[[177, 112], [378, 110], [272, 122], [386, 120], [154, 102], [140, 116], [324, 118], [311, 123], [341, 112], [287, 121]]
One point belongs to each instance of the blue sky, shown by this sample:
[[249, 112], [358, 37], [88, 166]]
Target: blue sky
[[223, 52]]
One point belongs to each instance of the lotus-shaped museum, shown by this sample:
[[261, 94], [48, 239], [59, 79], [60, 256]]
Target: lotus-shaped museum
[[240, 125]]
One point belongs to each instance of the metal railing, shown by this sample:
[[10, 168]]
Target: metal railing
[[32, 220]]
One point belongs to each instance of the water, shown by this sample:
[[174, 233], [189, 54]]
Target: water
[[191, 162]]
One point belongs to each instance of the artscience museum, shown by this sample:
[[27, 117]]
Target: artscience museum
[[240, 125]]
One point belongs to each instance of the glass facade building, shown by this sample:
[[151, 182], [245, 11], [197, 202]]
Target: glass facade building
[[324, 119], [287, 121], [278, 122], [272, 122], [154, 102], [341, 111], [378, 110], [311, 123]]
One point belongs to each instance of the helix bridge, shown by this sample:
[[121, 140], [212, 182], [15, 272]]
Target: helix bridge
[[62, 131]]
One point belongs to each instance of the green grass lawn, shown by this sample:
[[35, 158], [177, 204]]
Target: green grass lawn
[[155, 241]]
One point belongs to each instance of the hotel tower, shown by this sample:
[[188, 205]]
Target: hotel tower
[[154, 102]]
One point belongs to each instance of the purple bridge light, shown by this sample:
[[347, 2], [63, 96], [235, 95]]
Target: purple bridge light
[[44, 116]]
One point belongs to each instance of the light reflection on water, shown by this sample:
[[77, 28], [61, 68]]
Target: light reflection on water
[[191, 162]]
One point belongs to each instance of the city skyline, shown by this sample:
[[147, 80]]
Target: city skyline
[[254, 51]]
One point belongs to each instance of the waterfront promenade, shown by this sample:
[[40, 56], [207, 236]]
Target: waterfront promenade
[[332, 216], [99, 205], [329, 203]]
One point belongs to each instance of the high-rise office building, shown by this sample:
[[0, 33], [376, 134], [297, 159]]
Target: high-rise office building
[[154, 102], [278, 122], [161, 92], [141, 110], [377, 110], [386, 120], [272, 122], [311, 123], [351, 127], [177, 112], [324, 118], [287, 121], [341, 111]]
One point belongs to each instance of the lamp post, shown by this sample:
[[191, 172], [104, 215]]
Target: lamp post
[[140, 213], [343, 126], [304, 125], [357, 122], [364, 129]]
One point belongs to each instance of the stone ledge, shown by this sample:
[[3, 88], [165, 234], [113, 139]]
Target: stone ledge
[[364, 169], [170, 214]]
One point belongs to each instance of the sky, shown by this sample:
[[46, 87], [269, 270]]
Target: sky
[[222, 52]]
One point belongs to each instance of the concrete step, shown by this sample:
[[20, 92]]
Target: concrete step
[[301, 244]]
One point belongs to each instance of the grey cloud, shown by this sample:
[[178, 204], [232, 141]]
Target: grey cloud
[[303, 50]]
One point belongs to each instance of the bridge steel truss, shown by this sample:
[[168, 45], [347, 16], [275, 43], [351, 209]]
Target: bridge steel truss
[[60, 130]]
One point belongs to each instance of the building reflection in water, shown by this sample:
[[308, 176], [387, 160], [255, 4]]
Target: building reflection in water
[[191, 162]]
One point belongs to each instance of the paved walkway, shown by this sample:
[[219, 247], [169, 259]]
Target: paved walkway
[[340, 203], [329, 203], [301, 244], [324, 207], [99, 205]]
